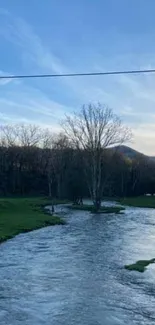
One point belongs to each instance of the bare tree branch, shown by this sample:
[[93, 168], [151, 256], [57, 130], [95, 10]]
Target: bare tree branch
[[92, 130]]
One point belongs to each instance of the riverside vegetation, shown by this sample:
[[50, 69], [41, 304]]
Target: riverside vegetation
[[81, 161], [19, 215], [140, 266]]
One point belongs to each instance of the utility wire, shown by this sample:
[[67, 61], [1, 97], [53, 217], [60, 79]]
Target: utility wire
[[84, 74]]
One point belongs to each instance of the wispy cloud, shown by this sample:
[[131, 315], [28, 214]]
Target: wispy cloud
[[19, 32], [132, 97], [24, 100], [4, 81], [32, 105]]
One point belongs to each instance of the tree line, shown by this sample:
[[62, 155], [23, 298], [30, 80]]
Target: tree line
[[81, 161]]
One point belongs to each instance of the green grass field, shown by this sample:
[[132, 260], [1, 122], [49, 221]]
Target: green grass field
[[140, 201], [19, 215]]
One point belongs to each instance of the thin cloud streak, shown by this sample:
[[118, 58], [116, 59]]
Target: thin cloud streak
[[132, 97]]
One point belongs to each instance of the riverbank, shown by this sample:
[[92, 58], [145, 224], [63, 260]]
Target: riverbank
[[103, 209], [140, 201], [19, 215]]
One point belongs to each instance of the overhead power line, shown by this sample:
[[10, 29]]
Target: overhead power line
[[83, 74]]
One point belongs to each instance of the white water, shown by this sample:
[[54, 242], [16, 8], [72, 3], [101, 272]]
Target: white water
[[74, 274]]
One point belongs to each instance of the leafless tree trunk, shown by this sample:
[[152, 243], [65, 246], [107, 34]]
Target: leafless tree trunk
[[48, 161], [92, 130], [60, 145]]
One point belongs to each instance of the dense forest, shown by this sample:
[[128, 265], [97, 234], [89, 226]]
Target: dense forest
[[59, 173], [34, 161]]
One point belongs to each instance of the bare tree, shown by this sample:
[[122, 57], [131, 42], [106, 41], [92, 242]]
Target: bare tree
[[8, 136], [25, 135], [92, 130], [47, 143], [47, 139], [60, 147], [28, 135]]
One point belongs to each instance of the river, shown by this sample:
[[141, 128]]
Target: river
[[74, 274]]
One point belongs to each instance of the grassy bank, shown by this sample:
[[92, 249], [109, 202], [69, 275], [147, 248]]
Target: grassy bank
[[140, 201], [90, 208], [19, 215]]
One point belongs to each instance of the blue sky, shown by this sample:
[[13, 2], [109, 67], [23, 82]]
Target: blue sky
[[74, 36]]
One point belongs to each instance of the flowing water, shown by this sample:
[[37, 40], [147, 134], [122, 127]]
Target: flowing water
[[74, 274]]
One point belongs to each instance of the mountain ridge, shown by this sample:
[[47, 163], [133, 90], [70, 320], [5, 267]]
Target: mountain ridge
[[132, 153]]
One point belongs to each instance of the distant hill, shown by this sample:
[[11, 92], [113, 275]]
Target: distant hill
[[131, 153]]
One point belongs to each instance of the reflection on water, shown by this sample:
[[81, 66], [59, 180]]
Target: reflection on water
[[74, 274]]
